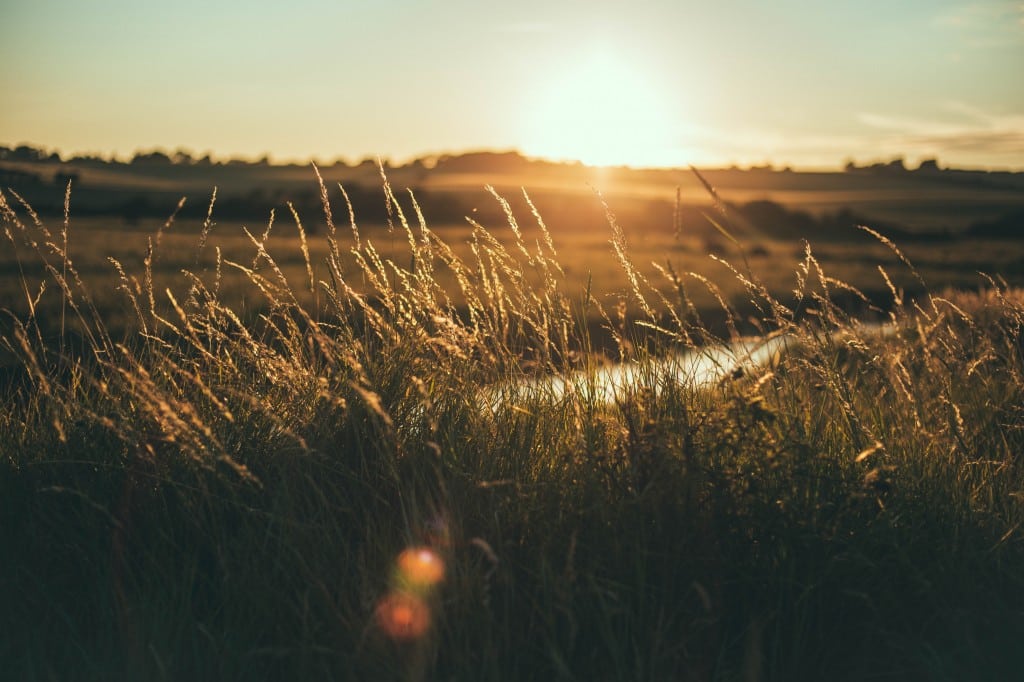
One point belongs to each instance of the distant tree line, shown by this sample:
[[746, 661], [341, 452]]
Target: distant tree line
[[895, 166], [481, 161], [154, 157], [759, 218]]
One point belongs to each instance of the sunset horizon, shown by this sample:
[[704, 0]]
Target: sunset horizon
[[663, 85], [536, 340], [430, 157]]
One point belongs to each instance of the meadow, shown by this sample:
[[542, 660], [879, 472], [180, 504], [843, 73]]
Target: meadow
[[657, 235], [265, 456]]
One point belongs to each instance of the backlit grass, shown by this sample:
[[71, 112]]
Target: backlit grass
[[311, 487]]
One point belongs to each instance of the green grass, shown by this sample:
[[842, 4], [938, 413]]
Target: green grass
[[211, 495]]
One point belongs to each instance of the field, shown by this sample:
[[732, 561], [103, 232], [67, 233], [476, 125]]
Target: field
[[284, 469], [657, 234]]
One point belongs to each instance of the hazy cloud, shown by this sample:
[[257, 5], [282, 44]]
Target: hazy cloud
[[967, 133], [756, 146], [1002, 142], [958, 134]]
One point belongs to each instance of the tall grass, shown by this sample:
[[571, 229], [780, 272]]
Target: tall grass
[[216, 495]]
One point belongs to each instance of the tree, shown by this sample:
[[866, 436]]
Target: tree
[[153, 158], [23, 152]]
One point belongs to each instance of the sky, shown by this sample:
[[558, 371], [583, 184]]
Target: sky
[[804, 83]]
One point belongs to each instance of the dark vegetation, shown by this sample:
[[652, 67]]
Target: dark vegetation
[[210, 494], [809, 205]]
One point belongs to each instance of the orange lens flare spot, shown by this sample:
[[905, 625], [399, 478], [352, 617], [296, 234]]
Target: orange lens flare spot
[[421, 566], [402, 616]]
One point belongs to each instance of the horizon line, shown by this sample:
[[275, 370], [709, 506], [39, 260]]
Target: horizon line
[[431, 158]]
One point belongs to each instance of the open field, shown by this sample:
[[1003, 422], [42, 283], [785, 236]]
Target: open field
[[920, 201], [286, 470], [952, 224], [581, 236]]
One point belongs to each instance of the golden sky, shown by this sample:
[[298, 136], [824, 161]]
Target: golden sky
[[660, 83]]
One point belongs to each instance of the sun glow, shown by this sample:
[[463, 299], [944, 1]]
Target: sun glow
[[603, 112]]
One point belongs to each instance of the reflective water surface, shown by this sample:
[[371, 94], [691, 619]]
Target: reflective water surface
[[700, 367]]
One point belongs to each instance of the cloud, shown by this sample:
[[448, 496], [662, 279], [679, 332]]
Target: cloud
[[709, 144], [967, 134], [957, 133], [997, 142]]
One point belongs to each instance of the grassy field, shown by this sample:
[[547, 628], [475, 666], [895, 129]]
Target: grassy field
[[922, 201], [288, 472], [580, 235]]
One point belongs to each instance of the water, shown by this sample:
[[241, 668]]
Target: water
[[697, 368]]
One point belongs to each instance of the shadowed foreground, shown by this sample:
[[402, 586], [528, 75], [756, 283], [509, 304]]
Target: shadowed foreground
[[316, 493]]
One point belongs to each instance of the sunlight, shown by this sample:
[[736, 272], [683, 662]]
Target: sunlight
[[603, 112]]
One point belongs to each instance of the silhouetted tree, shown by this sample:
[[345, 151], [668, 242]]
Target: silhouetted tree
[[89, 160], [24, 152], [154, 158], [894, 166], [484, 161]]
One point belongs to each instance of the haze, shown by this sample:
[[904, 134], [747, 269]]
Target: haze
[[793, 82]]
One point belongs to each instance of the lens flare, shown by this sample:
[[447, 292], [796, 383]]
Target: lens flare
[[421, 567], [403, 616]]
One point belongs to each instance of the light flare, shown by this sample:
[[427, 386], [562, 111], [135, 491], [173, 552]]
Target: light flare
[[406, 612], [403, 616], [421, 567]]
